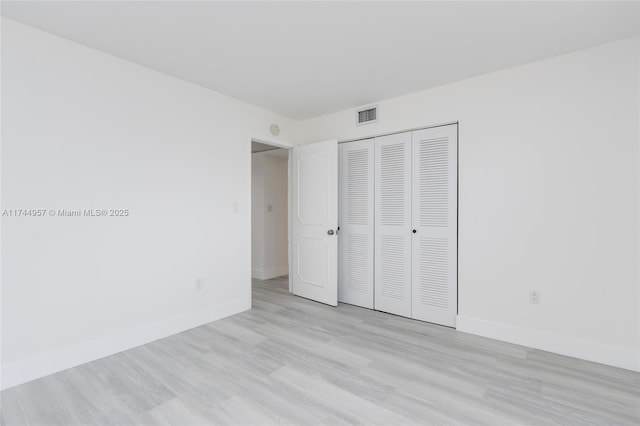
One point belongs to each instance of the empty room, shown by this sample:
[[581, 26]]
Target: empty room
[[320, 213]]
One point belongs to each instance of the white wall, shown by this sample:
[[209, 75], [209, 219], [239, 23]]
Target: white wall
[[269, 226], [85, 130], [548, 197]]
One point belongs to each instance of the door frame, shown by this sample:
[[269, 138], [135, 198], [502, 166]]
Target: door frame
[[278, 143]]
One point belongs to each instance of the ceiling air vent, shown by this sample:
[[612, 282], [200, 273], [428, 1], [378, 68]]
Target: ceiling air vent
[[367, 115]]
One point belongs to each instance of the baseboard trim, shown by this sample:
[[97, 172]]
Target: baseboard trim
[[267, 274], [19, 372], [570, 346]]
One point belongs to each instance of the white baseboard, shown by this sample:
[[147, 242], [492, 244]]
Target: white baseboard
[[570, 346], [42, 365], [267, 274]]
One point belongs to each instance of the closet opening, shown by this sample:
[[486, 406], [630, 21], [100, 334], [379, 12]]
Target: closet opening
[[398, 217]]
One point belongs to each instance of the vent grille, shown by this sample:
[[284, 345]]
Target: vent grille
[[358, 187], [433, 285], [367, 115]]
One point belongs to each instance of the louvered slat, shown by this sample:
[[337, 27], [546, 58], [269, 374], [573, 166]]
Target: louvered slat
[[392, 224], [393, 176], [358, 176], [392, 259], [434, 281], [357, 275], [355, 283], [433, 174]]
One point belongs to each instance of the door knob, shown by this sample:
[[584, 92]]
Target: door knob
[[414, 231], [330, 232]]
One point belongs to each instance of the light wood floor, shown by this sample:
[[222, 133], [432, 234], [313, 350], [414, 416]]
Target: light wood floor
[[290, 360]]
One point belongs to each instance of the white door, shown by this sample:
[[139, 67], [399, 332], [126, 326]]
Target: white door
[[355, 269], [315, 222], [434, 251], [393, 224]]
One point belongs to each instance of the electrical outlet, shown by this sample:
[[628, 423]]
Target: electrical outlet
[[534, 296], [198, 284]]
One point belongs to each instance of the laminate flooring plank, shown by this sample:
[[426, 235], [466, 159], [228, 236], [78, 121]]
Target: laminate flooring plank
[[290, 360], [333, 371], [462, 404], [135, 388], [274, 399], [322, 347], [302, 329], [266, 306], [56, 405], [184, 378], [98, 395], [550, 374], [343, 401], [423, 412], [607, 409], [550, 410], [237, 332], [238, 411], [173, 413], [334, 421], [415, 361], [433, 350]]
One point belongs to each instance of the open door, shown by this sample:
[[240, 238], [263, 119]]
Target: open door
[[315, 222]]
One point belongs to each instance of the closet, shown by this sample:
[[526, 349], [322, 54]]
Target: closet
[[398, 224]]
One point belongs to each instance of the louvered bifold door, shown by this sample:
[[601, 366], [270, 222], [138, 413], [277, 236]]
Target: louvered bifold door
[[434, 246], [355, 279], [393, 224]]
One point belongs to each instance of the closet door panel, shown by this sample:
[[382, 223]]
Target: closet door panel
[[434, 245], [393, 224], [355, 279]]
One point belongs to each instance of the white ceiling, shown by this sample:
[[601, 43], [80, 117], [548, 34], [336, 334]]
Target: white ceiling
[[304, 59]]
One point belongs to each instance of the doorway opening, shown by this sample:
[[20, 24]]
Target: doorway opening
[[270, 213], [311, 218]]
